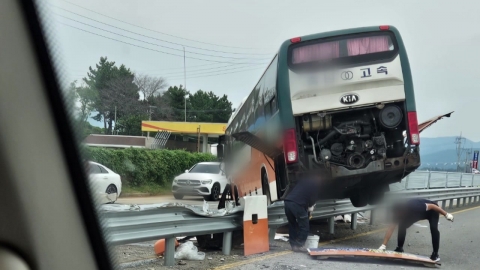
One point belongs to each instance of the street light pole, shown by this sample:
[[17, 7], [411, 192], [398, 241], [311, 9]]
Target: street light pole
[[185, 82]]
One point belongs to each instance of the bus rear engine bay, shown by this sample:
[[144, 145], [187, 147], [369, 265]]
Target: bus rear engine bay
[[348, 142]]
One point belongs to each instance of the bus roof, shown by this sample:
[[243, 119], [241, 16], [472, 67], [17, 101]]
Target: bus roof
[[237, 109], [344, 32]]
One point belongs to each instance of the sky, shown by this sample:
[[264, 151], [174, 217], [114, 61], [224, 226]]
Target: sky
[[233, 41]]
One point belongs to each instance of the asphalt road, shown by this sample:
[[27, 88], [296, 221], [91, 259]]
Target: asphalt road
[[459, 247]]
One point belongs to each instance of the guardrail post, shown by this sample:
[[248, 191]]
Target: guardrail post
[[331, 225], [227, 243], [446, 181], [170, 251], [271, 234], [444, 204], [406, 182], [428, 180], [372, 217], [472, 182], [450, 205], [463, 202], [353, 224]]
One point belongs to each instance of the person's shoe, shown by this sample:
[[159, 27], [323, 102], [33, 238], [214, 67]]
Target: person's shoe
[[299, 249], [399, 249], [435, 257]]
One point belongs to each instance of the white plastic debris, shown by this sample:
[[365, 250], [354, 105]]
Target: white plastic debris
[[187, 251], [281, 237], [205, 206], [347, 218]]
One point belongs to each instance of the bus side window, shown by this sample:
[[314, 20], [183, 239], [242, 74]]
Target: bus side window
[[273, 106], [268, 111]]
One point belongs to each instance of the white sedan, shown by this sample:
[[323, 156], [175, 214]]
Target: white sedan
[[106, 184], [203, 179]]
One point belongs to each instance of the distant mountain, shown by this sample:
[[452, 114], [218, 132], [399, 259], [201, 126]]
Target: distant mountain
[[433, 145], [435, 152]]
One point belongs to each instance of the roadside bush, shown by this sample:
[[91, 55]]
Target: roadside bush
[[139, 167]]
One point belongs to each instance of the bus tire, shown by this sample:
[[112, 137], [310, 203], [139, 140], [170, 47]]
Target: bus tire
[[359, 198], [375, 196], [266, 188]]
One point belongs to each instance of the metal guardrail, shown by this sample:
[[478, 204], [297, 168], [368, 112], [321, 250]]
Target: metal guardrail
[[136, 226], [126, 227], [429, 179]]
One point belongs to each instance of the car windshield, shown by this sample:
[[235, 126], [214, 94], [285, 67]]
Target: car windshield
[[206, 168], [149, 88]]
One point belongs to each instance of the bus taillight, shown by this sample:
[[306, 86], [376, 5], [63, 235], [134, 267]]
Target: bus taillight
[[290, 146], [413, 128], [384, 27], [295, 39]]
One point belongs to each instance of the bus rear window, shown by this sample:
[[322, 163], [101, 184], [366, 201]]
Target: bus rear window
[[326, 51]]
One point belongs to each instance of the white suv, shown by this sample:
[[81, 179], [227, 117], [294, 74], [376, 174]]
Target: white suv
[[203, 179]]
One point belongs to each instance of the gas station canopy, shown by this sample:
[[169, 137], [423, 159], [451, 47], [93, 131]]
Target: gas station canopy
[[185, 127]]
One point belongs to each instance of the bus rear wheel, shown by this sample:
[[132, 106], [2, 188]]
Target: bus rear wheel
[[359, 198], [266, 188], [375, 196]]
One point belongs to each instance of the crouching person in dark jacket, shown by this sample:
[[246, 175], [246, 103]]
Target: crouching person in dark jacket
[[297, 203]]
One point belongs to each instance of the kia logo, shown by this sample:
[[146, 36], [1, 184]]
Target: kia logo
[[349, 99], [346, 75]]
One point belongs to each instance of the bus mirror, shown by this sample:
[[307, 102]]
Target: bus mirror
[[222, 168], [221, 139], [220, 151]]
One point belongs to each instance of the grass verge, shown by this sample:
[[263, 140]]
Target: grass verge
[[150, 189]]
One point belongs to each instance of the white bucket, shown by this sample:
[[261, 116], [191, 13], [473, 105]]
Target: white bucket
[[312, 241]]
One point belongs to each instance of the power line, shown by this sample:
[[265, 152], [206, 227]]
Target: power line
[[157, 32], [213, 110], [203, 65], [154, 44], [193, 68], [163, 52], [223, 68], [213, 72], [217, 74]]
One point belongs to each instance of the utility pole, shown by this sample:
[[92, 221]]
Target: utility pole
[[185, 82], [459, 141], [149, 117]]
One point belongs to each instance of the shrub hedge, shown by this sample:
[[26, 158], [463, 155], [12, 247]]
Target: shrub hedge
[[139, 167]]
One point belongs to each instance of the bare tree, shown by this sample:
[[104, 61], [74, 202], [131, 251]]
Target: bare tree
[[150, 86]]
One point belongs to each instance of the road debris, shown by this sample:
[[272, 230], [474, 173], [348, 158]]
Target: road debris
[[188, 251]]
